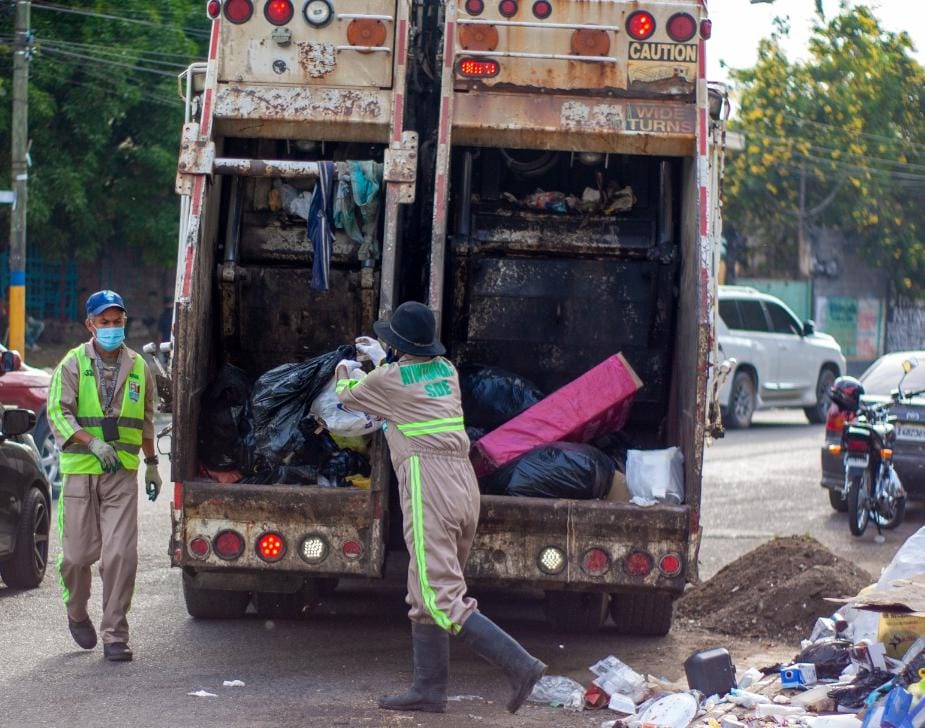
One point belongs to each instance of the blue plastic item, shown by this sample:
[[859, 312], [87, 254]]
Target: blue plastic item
[[896, 708]]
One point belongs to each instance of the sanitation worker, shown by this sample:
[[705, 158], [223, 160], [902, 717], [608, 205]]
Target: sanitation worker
[[417, 392], [101, 408]]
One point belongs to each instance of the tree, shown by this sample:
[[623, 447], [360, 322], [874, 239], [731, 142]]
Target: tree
[[105, 123], [848, 124]]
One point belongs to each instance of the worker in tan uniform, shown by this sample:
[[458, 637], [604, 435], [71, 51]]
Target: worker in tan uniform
[[101, 408], [416, 391]]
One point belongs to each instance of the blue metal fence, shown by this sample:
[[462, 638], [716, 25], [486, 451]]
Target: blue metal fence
[[51, 286]]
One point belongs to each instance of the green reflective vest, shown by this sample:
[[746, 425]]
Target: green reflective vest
[[77, 459]]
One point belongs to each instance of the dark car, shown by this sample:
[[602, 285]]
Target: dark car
[[25, 497], [880, 379], [27, 387]]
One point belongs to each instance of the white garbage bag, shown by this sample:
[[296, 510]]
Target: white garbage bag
[[340, 420], [655, 475]]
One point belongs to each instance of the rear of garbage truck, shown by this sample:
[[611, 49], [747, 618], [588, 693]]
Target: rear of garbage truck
[[575, 216]]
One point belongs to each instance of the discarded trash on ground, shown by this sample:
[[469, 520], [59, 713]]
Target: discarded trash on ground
[[233, 684], [203, 694]]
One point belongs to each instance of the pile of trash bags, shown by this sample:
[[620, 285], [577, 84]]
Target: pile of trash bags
[[286, 427]]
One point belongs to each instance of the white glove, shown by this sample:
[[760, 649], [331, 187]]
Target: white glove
[[348, 369], [152, 482], [369, 349], [106, 454]]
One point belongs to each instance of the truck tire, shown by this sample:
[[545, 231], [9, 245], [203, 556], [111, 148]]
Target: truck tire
[[26, 568], [276, 605], [642, 613], [576, 612], [213, 603]]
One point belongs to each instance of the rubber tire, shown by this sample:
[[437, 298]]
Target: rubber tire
[[576, 612], [836, 501], [739, 421], [277, 605], [45, 440], [26, 568], [213, 603], [853, 498], [898, 517], [817, 414], [646, 613]]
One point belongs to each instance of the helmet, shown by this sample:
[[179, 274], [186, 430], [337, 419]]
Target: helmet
[[846, 393]]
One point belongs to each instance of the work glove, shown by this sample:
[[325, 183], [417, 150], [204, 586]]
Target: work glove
[[152, 482], [106, 454], [369, 349]]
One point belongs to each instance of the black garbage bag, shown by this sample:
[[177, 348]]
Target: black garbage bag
[[225, 422], [853, 696], [558, 470], [265, 474], [491, 396], [475, 433], [281, 400], [319, 446], [830, 657], [344, 463]]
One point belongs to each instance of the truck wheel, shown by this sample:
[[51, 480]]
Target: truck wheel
[[213, 603], [742, 402], [275, 605], [576, 612], [818, 412], [837, 501], [26, 568], [642, 613]]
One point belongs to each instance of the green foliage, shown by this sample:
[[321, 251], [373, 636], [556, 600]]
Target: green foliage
[[849, 121], [104, 123]]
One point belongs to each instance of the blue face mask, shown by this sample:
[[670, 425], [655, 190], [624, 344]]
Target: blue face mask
[[110, 338]]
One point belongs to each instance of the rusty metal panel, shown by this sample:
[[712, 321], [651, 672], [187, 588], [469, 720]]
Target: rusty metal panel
[[287, 112], [582, 46], [259, 52], [508, 541], [545, 121]]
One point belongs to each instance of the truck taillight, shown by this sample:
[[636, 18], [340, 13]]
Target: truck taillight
[[364, 32], [228, 545], [706, 29], [475, 7], [199, 547], [640, 25], [542, 9], [352, 550], [595, 562], [681, 27], [638, 563], [238, 11], [508, 8], [670, 564], [278, 12], [314, 549], [478, 68], [318, 13], [551, 560], [213, 9], [271, 547]]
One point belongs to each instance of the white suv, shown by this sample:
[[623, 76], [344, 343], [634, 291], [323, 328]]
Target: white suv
[[780, 362]]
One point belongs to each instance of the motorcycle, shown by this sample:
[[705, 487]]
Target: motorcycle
[[872, 488]]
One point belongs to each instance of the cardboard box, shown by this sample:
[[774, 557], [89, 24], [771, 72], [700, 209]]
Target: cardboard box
[[897, 632], [619, 492]]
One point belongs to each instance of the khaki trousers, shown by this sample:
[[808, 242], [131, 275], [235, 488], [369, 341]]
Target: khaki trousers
[[98, 521], [440, 504]]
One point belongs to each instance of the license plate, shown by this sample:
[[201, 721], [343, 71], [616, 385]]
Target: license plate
[[856, 461], [910, 432]]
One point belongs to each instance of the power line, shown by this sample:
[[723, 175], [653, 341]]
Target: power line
[[146, 92], [119, 18], [108, 55], [117, 48], [880, 160], [105, 62]]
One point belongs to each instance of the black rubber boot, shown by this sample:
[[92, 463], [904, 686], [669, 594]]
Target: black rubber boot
[[117, 652], [83, 633], [431, 653], [492, 643]]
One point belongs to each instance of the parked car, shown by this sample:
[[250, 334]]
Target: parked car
[[27, 387], [780, 360], [879, 380], [25, 499]]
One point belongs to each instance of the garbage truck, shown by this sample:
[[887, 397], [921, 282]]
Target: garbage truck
[[550, 175]]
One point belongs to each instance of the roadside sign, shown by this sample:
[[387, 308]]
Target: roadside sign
[[7, 197]]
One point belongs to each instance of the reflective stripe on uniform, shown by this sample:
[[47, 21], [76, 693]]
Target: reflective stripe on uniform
[[65, 592], [432, 427], [343, 384], [420, 556], [53, 409]]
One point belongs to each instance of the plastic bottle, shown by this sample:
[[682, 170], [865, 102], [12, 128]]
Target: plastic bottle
[[747, 699]]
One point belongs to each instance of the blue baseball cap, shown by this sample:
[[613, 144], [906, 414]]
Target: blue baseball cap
[[101, 300]]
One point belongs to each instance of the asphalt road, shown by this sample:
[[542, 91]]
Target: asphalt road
[[327, 669]]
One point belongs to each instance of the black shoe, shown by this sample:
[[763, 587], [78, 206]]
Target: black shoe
[[117, 652], [431, 654], [83, 633], [492, 643]]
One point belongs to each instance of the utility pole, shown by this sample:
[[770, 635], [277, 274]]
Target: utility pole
[[804, 257], [22, 46]]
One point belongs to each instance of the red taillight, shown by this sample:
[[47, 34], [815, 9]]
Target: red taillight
[[199, 547], [271, 547], [856, 445], [681, 27], [278, 12], [640, 25], [178, 496], [706, 29], [638, 563], [228, 545], [213, 8], [595, 562], [478, 68], [475, 7], [508, 8], [834, 421], [352, 550], [670, 564], [238, 11], [542, 9]]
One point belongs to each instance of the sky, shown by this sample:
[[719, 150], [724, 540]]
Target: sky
[[738, 26]]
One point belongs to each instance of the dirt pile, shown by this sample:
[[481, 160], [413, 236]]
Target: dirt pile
[[776, 591]]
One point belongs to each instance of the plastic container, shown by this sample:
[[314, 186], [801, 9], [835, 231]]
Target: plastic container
[[711, 672]]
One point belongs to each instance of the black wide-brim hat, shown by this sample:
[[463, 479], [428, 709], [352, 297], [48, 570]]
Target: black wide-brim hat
[[411, 330]]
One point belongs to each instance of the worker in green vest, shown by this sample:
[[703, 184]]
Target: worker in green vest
[[101, 409]]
